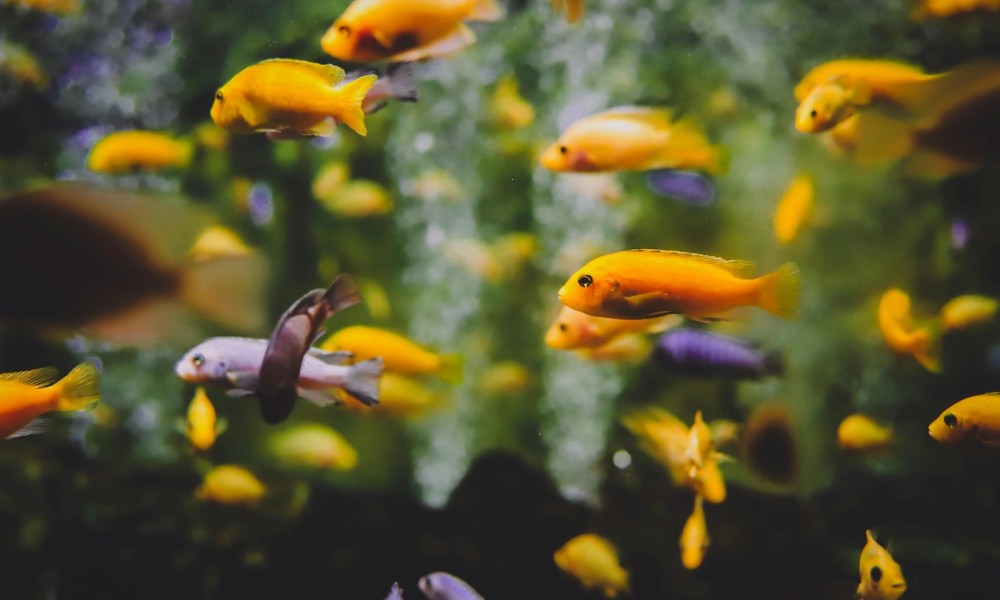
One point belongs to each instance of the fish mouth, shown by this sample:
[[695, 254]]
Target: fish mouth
[[561, 294]]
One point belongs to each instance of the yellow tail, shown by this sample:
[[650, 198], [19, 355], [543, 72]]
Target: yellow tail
[[927, 347], [79, 388], [452, 370], [350, 98], [778, 292]]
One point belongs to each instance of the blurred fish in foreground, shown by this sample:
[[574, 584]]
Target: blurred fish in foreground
[[405, 30], [26, 395], [593, 560], [968, 310], [203, 425], [283, 95], [860, 433], [231, 484], [313, 445], [112, 264], [794, 208], [881, 576], [902, 336], [127, 151], [971, 421], [445, 586], [399, 353], [702, 353]]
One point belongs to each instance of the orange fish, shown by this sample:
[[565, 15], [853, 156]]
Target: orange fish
[[25, 395], [573, 329], [881, 576], [794, 208], [896, 324], [125, 151], [405, 30], [641, 284], [973, 420]]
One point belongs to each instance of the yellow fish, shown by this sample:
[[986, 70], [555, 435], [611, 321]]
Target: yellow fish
[[202, 425], [398, 353], [794, 208], [126, 151], [881, 576], [508, 108], [55, 7], [19, 63], [216, 242], [593, 560], [967, 310], [572, 9], [973, 420], [210, 136], [399, 395], [231, 484], [573, 330], [26, 395], [886, 80], [358, 198], [405, 30], [641, 284], [632, 138], [896, 324], [950, 8], [700, 446], [505, 378], [828, 105], [313, 445], [329, 179], [860, 433], [283, 95], [476, 257], [694, 536]]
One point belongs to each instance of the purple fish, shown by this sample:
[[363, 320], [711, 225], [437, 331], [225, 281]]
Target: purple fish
[[687, 186], [442, 586], [396, 593], [698, 352]]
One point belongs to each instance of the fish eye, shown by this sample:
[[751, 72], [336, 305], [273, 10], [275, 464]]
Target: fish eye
[[218, 95], [950, 420], [563, 327], [563, 150], [813, 114], [198, 360], [344, 30], [585, 280], [876, 574]]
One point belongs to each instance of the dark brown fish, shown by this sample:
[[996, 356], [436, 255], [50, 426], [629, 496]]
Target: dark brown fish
[[294, 334]]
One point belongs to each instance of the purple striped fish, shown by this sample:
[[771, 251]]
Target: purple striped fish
[[698, 352]]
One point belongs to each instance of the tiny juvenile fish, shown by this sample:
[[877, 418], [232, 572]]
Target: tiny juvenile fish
[[26, 395], [593, 560], [573, 330], [694, 537], [202, 426], [284, 95], [794, 208], [405, 30], [860, 433], [313, 445], [702, 353], [445, 586], [632, 138], [399, 353], [231, 484], [127, 151], [881, 576], [973, 420], [968, 310], [896, 324], [641, 284]]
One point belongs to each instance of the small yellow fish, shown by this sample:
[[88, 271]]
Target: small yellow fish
[[398, 353], [973, 420], [476, 257], [283, 95], [828, 105], [358, 198], [231, 484], [641, 284], [708, 481], [508, 109], [694, 536], [55, 7], [700, 446], [967, 310], [405, 30], [593, 560], [875, 79], [202, 424], [950, 8], [881, 576], [26, 395], [632, 138], [313, 445], [572, 9], [896, 324], [19, 63], [399, 396], [329, 179], [514, 250], [860, 433], [573, 330], [218, 241], [435, 185], [794, 208], [506, 377], [126, 151], [628, 348]]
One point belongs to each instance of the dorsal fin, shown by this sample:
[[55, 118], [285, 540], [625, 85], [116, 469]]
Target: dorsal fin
[[654, 117], [35, 377], [332, 73], [742, 268]]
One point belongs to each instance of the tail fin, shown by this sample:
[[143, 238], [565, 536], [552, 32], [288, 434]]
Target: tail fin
[[351, 97], [402, 82], [79, 388], [363, 380], [778, 292], [452, 368], [486, 10], [342, 293], [228, 289], [928, 351]]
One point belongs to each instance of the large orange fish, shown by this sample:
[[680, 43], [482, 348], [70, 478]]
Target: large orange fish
[[403, 30], [26, 395], [641, 284]]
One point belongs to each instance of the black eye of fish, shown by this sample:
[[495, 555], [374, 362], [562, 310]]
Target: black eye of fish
[[585, 280], [563, 327], [563, 150], [876, 574], [813, 114], [198, 359], [950, 420], [344, 30], [218, 95]]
